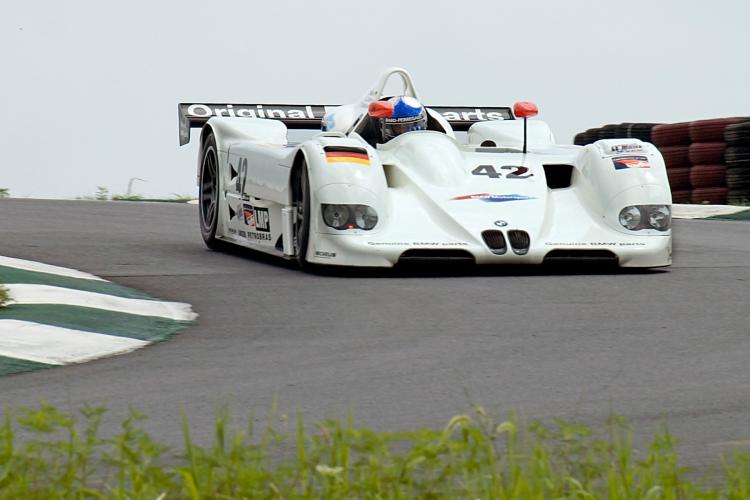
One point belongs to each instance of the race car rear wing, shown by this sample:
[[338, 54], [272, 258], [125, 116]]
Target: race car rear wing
[[309, 116]]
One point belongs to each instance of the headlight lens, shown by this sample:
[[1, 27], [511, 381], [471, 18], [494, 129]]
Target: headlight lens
[[349, 216], [365, 217], [660, 217], [630, 218], [336, 216], [639, 217]]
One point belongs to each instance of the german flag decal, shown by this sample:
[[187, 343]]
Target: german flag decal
[[347, 155]]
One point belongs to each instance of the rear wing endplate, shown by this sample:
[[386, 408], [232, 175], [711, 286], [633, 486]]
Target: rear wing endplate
[[310, 116]]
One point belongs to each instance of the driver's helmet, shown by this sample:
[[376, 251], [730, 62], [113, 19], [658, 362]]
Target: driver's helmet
[[398, 115]]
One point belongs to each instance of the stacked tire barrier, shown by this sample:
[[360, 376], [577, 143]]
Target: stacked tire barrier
[[708, 161], [673, 140], [640, 131], [737, 158]]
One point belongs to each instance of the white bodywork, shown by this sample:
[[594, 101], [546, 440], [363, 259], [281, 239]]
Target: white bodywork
[[416, 181]]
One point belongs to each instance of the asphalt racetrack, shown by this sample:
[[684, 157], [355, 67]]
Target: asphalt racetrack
[[404, 349]]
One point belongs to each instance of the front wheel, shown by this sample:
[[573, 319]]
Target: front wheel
[[208, 196], [302, 216]]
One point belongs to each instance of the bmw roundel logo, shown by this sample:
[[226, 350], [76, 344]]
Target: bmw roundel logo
[[501, 223]]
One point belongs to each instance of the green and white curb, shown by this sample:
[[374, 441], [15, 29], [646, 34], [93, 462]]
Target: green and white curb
[[58, 316], [723, 212]]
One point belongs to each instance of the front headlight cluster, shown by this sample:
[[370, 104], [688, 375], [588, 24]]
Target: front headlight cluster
[[349, 216], [637, 217]]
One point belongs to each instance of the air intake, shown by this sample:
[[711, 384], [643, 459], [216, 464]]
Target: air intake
[[587, 256], [428, 255], [558, 176], [519, 241], [495, 240]]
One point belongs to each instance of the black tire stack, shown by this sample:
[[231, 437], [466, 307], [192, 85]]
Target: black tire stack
[[673, 141], [707, 155], [640, 131], [737, 157]]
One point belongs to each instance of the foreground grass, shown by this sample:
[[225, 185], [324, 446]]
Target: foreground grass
[[4, 297], [64, 456]]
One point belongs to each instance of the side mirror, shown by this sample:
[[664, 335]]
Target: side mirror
[[525, 110]]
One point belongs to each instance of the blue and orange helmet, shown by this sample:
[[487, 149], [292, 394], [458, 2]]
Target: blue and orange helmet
[[398, 115]]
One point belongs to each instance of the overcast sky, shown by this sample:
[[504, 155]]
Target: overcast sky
[[89, 88]]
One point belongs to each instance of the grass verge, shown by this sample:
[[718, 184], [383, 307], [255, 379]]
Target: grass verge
[[4, 297], [63, 455]]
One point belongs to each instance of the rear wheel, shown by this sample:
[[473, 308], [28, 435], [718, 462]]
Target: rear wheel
[[208, 197], [302, 216]]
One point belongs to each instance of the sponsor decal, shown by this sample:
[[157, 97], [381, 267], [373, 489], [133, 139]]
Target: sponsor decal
[[347, 157], [594, 244], [248, 215], [625, 162], [258, 236], [262, 219], [514, 172], [418, 243], [258, 223], [317, 112], [241, 170], [460, 114], [257, 111], [325, 255], [574, 244], [501, 223], [493, 198], [627, 148]]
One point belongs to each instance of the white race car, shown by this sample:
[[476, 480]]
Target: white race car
[[503, 194]]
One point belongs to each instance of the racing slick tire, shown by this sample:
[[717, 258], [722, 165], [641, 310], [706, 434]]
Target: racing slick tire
[[641, 131], [739, 196], [738, 134], [675, 156], [711, 130], [738, 178], [681, 196], [679, 178], [706, 153], [623, 130], [671, 134], [737, 156], [608, 131], [706, 176], [208, 195], [301, 194]]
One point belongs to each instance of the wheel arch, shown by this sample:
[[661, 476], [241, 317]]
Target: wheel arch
[[205, 131], [300, 160]]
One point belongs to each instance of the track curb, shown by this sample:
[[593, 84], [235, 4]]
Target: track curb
[[717, 212], [60, 316]]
